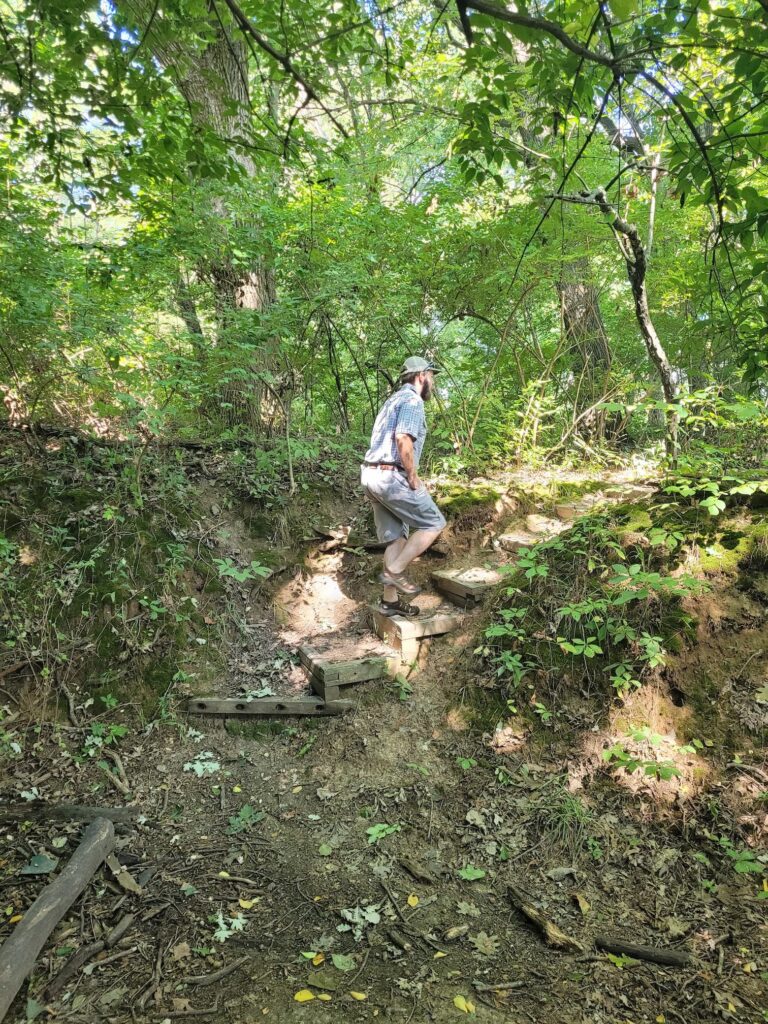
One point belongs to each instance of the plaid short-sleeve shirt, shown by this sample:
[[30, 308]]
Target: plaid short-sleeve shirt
[[402, 413]]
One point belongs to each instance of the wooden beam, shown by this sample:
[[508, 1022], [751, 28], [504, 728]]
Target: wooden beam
[[19, 952], [332, 668], [266, 706], [399, 628]]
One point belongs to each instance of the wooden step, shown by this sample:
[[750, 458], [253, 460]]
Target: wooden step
[[334, 668], [466, 587], [405, 635]]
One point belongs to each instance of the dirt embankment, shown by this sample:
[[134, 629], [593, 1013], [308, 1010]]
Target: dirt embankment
[[359, 866]]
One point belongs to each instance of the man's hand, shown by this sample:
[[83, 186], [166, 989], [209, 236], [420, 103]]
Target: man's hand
[[405, 448]]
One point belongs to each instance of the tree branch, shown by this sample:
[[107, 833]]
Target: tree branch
[[282, 59], [540, 25]]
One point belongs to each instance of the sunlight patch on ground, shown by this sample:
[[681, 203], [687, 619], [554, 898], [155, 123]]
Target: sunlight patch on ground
[[645, 729], [313, 607]]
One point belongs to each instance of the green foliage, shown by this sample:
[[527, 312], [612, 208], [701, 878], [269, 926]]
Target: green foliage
[[245, 818], [380, 831], [228, 569], [605, 608]]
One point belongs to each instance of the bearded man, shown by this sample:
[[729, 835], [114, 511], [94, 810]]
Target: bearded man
[[407, 519]]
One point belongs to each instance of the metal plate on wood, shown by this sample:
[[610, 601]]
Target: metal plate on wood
[[266, 706]]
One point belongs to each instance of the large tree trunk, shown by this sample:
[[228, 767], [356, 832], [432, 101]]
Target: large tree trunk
[[588, 343], [213, 79]]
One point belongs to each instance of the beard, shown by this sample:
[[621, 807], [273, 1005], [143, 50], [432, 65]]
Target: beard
[[427, 389]]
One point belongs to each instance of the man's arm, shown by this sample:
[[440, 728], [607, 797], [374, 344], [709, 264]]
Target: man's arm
[[405, 448]]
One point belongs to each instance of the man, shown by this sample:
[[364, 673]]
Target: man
[[401, 503]]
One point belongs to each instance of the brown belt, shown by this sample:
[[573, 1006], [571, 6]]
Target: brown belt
[[381, 465]]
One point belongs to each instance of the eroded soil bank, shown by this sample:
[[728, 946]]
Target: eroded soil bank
[[363, 863]]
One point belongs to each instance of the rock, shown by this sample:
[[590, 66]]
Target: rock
[[567, 512], [542, 525], [505, 504], [630, 492], [514, 541], [560, 874]]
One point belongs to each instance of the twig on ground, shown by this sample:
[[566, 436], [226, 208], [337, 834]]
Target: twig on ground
[[84, 954], [118, 763], [116, 782], [211, 979], [502, 986], [668, 957], [204, 1011], [553, 935]]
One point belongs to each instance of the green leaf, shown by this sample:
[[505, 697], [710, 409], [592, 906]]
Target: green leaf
[[470, 873], [622, 9], [33, 1009], [342, 962], [40, 865]]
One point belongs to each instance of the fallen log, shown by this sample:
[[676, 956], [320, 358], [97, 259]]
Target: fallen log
[[19, 952], [40, 811], [668, 957], [553, 935]]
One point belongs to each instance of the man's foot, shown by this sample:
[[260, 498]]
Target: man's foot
[[398, 607], [400, 582]]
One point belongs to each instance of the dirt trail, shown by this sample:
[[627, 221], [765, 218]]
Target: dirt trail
[[358, 866]]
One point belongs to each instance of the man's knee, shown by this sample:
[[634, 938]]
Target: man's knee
[[391, 533]]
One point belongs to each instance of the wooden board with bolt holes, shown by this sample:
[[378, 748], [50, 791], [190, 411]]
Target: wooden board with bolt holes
[[266, 706]]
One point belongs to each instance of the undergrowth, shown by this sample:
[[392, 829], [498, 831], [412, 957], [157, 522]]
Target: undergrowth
[[597, 610], [112, 581]]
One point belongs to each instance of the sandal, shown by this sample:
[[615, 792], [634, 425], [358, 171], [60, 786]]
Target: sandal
[[398, 607], [400, 582]]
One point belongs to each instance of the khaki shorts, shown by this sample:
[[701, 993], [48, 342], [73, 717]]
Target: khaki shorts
[[396, 508]]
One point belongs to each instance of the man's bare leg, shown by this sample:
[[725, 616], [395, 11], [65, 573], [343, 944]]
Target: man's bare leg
[[392, 552], [417, 544]]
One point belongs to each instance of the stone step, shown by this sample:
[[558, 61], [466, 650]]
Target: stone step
[[333, 668], [568, 511], [466, 587], [543, 526]]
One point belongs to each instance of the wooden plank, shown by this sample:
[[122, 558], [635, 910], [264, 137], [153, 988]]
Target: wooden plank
[[21, 949], [395, 626], [337, 669], [266, 706], [329, 692], [473, 582]]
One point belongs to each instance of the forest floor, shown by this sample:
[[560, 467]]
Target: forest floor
[[359, 866]]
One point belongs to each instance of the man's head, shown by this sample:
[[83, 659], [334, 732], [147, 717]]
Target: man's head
[[419, 372]]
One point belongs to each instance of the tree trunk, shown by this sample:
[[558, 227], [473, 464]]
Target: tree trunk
[[634, 254], [213, 79], [588, 342]]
